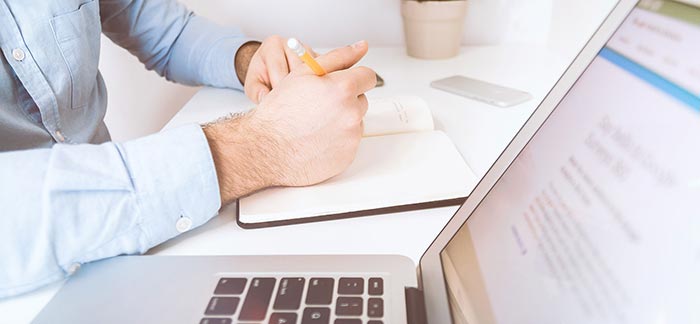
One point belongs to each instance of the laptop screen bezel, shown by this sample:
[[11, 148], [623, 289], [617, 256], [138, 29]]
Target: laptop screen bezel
[[430, 273]]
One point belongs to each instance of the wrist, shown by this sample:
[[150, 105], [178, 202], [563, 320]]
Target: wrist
[[243, 57], [243, 156]]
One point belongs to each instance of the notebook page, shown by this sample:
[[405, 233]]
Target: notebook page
[[394, 115], [388, 171]]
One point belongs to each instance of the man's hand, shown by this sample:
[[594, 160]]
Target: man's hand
[[306, 130], [269, 64]]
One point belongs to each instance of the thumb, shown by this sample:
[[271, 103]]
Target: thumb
[[343, 58]]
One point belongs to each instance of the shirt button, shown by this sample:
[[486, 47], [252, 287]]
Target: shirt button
[[18, 54], [59, 136], [73, 268], [183, 224]]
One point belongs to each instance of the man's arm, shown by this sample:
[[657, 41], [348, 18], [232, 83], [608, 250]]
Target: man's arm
[[169, 39], [72, 204]]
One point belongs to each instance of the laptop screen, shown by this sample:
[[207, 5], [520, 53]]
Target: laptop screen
[[598, 218]]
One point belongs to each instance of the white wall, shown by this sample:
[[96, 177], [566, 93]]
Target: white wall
[[141, 103]]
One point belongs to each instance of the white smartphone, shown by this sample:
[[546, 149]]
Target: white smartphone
[[481, 90]]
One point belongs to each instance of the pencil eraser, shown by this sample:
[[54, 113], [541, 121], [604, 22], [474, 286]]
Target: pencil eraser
[[293, 44]]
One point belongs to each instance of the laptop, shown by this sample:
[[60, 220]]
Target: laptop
[[589, 216]]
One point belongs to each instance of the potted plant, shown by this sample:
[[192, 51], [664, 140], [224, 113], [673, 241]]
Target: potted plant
[[433, 28]]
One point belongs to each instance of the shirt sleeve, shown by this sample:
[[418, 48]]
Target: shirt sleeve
[[169, 39], [72, 204]]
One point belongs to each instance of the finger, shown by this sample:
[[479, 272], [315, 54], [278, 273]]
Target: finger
[[361, 79], [261, 95], [277, 65], [256, 89], [293, 60], [311, 51], [343, 58]]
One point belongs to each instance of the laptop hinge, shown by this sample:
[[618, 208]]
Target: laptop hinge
[[415, 306]]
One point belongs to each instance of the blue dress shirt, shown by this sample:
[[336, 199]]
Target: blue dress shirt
[[68, 195]]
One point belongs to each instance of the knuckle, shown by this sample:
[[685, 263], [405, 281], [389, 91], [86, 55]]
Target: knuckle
[[365, 69], [345, 86], [364, 102], [369, 74]]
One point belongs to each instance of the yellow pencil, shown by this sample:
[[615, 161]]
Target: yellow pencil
[[296, 46]]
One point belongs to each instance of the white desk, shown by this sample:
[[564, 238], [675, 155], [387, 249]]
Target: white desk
[[480, 132]]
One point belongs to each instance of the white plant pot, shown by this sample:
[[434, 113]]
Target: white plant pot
[[433, 28]]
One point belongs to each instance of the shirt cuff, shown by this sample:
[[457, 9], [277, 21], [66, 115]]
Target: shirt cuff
[[209, 55], [223, 54], [175, 180]]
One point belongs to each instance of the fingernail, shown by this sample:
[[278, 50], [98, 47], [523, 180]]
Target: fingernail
[[357, 44]]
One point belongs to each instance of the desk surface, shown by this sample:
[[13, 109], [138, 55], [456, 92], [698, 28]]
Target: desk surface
[[480, 132]]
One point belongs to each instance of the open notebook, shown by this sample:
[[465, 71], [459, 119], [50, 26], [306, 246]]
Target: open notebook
[[402, 164]]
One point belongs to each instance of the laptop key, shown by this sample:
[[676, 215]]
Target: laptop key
[[283, 318], [316, 315], [230, 286], [320, 291], [257, 300], [351, 286], [348, 321], [289, 294], [215, 321], [375, 307], [348, 306], [376, 286], [375, 322], [222, 306]]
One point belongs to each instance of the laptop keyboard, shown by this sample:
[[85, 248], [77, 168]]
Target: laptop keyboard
[[290, 300]]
